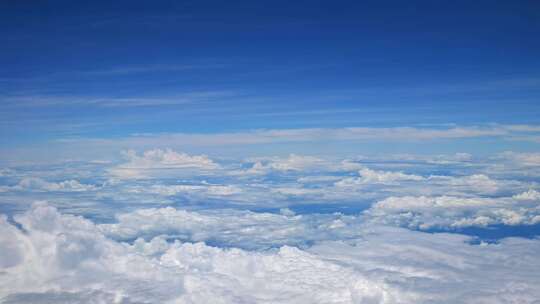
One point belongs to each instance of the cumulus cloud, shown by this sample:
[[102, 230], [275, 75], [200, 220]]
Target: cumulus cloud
[[404, 183], [421, 212], [38, 184], [441, 268], [510, 163], [456, 158], [5, 172], [479, 183], [367, 176], [530, 195], [217, 252], [157, 161], [286, 181], [51, 258], [229, 227], [298, 191], [292, 163], [66, 259], [318, 179], [203, 189], [524, 159]]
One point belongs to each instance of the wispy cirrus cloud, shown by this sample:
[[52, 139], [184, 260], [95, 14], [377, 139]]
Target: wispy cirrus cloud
[[343, 140], [17, 102], [152, 68], [380, 134]]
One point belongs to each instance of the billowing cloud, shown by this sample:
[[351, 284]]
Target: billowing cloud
[[432, 184], [530, 195], [203, 189], [479, 183], [519, 164], [38, 184], [66, 259], [453, 212], [368, 176], [524, 159], [236, 228], [62, 258], [292, 163], [451, 159], [195, 231], [157, 161], [5, 172]]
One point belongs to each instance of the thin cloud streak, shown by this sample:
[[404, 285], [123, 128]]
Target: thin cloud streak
[[61, 101], [394, 134]]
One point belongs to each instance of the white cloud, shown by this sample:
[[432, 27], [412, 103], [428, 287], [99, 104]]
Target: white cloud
[[368, 176], [289, 180], [452, 212], [297, 191], [514, 164], [264, 136], [412, 184], [231, 227], [61, 258], [523, 128], [442, 268], [38, 184], [318, 179], [292, 163], [479, 183], [171, 190], [6, 172], [451, 159], [62, 100], [530, 195], [66, 258], [524, 159], [159, 161]]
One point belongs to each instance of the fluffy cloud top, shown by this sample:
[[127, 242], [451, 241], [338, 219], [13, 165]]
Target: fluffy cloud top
[[292, 163], [38, 184], [479, 183], [367, 176], [452, 212], [432, 184], [210, 249], [63, 258], [5, 172], [210, 190], [236, 228], [525, 159], [157, 160], [530, 195]]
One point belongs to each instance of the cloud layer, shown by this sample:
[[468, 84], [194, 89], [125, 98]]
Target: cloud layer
[[62, 258], [158, 162], [453, 212], [170, 227]]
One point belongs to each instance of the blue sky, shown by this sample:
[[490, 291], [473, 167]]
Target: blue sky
[[269, 152], [113, 70]]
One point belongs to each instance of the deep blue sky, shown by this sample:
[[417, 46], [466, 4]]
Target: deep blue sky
[[115, 68]]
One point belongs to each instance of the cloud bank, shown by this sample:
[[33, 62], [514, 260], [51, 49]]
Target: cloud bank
[[158, 161], [453, 212], [53, 257], [170, 227]]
